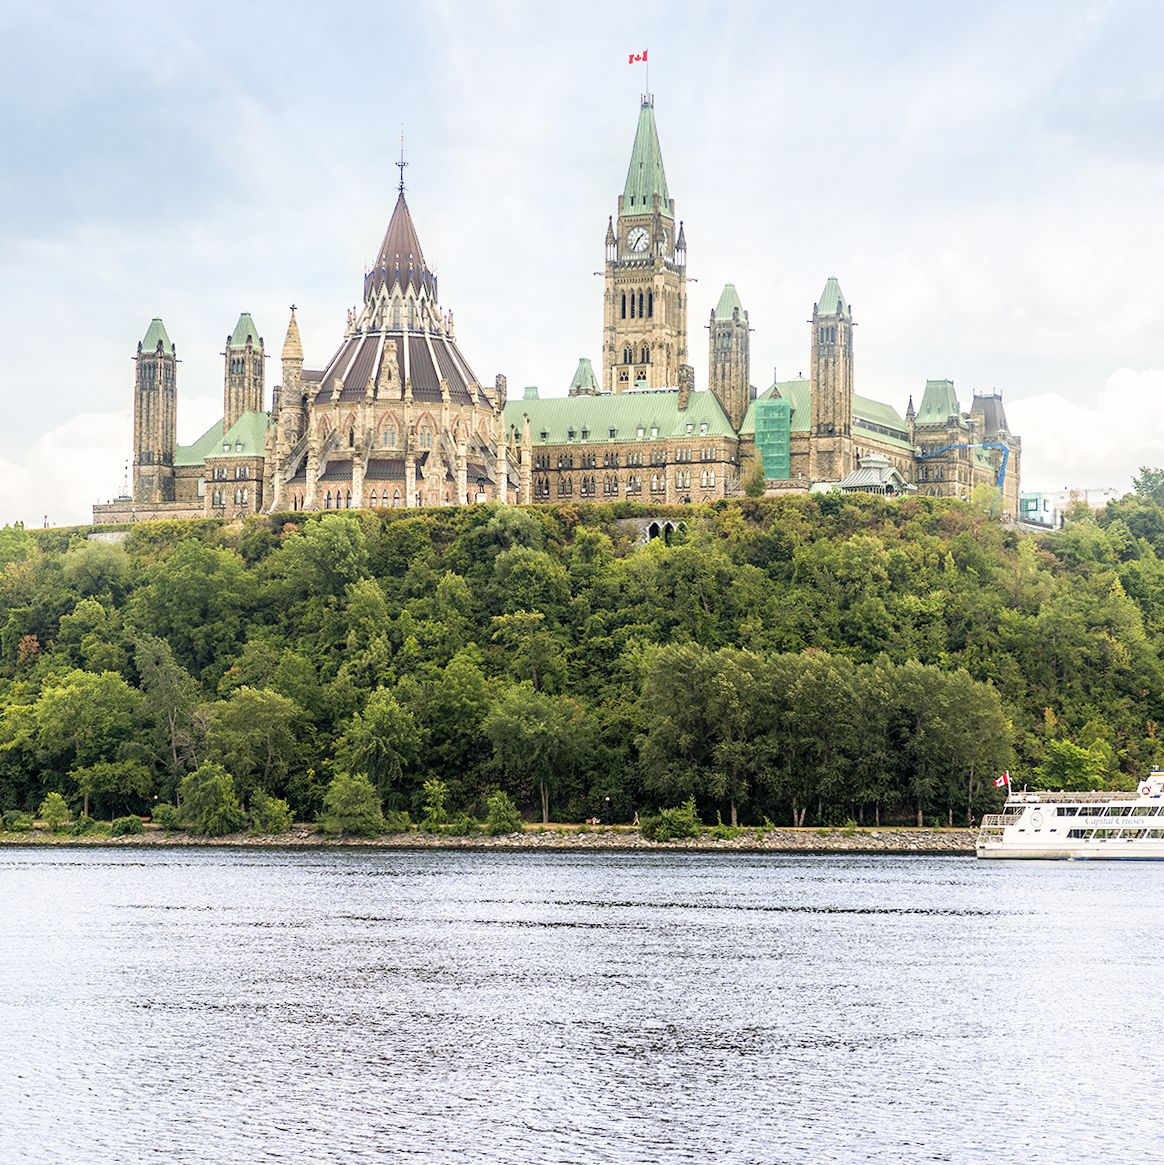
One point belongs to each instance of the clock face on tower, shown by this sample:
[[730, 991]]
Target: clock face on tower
[[637, 239]]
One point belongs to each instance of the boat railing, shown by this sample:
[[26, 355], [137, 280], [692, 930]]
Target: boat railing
[[1091, 796], [998, 820]]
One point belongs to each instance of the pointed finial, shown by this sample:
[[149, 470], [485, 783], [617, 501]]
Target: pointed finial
[[402, 163]]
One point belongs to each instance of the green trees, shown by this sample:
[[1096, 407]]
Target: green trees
[[538, 740], [382, 742], [209, 804], [54, 812], [352, 807], [809, 659]]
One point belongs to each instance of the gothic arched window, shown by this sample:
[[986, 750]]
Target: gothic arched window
[[327, 501], [640, 303], [351, 438], [624, 305], [348, 502], [645, 355], [627, 355], [650, 304], [395, 499]]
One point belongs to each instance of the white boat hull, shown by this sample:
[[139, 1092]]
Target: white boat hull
[[1115, 850]]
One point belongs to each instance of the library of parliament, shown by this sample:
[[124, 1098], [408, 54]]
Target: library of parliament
[[397, 416]]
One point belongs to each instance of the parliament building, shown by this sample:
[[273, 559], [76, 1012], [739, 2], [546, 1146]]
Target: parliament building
[[397, 416]]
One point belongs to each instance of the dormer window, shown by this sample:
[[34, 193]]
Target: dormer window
[[570, 434], [703, 427], [585, 434], [690, 427], [654, 431], [640, 432], [544, 435], [238, 446], [613, 434]]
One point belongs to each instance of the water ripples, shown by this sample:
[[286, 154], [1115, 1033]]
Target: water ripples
[[358, 1005]]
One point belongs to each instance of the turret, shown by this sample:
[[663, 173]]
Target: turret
[[243, 376], [728, 355], [155, 396]]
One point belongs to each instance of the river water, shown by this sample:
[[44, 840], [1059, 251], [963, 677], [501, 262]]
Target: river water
[[216, 1006]]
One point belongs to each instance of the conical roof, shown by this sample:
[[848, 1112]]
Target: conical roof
[[292, 345], [645, 177], [400, 258], [584, 379], [154, 333], [729, 303], [244, 331], [832, 300]]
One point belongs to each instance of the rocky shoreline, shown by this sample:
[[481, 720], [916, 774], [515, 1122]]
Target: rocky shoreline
[[897, 840]]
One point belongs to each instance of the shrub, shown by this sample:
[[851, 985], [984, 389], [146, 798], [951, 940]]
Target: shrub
[[84, 825], [679, 821], [501, 814], [166, 816], [435, 793], [397, 821], [54, 812], [270, 814], [723, 832], [209, 805], [351, 806], [124, 826], [460, 826], [16, 822]]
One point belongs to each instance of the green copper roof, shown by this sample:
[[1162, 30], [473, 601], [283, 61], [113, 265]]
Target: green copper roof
[[871, 418], [196, 454], [247, 437], [623, 412], [249, 432], [155, 332], [584, 378], [832, 300], [244, 330], [729, 302], [939, 403], [645, 177]]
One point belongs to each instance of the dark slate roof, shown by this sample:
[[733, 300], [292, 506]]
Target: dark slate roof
[[400, 259], [430, 356], [385, 469], [988, 406]]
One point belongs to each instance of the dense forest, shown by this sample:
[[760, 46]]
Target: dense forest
[[810, 660]]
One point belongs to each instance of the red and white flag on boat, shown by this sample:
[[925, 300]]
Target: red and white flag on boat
[[635, 58], [1003, 780]]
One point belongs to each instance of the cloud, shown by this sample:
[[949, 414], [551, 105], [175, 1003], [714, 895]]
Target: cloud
[[1100, 443], [82, 461]]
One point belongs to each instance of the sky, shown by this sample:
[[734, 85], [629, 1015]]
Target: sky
[[986, 181]]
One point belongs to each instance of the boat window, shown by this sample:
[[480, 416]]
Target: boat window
[[1077, 833], [1144, 810], [1067, 810]]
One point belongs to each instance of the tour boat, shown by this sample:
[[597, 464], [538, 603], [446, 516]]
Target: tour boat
[[1079, 826]]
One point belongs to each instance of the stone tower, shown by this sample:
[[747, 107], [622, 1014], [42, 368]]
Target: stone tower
[[645, 310], [727, 357], [831, 386], [155, 423], [242, 390]]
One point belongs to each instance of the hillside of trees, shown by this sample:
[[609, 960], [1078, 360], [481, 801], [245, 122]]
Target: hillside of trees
[[810, 660]]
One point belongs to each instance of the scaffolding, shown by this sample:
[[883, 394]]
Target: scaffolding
[[774, 437]]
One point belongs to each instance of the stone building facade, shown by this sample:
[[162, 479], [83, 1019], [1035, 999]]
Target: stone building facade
[[397, 417]]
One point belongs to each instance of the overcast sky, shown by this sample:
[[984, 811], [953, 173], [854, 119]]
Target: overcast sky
[[984, 179]]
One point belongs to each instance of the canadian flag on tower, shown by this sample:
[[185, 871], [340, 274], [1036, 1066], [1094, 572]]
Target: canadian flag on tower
[[1003, 780], [635, 58]]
